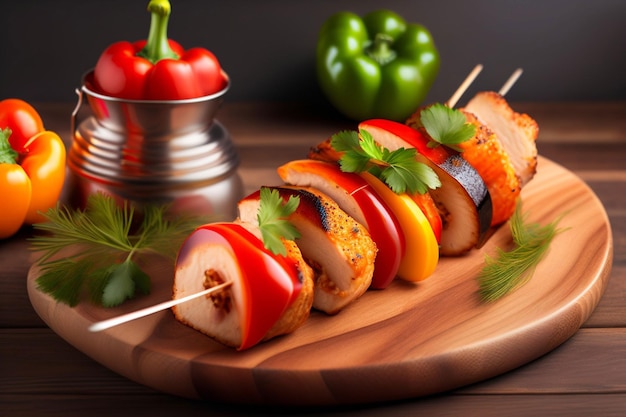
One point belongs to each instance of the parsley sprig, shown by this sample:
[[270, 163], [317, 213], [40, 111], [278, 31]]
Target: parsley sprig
[[509, 270], [272, 218], [446, 126], [399, 169], [94, 252]]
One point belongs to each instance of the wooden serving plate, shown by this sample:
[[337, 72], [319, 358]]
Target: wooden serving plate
[[405, 341]]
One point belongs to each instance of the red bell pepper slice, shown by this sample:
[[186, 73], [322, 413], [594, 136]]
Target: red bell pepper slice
[[157, 68], [267, 283]]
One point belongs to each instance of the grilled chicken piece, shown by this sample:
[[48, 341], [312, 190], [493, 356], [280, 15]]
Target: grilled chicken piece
[[269, 294], [487, 156], [358, 199], [517, 132], [324, 152], [339, 249], [299, 310]]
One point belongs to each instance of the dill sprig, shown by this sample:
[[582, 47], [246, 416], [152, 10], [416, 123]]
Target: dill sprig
[[94, 252], [509, 270]]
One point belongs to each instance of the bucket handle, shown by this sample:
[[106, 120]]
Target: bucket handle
[[79, 104]]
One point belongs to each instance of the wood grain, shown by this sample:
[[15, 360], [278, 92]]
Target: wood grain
[[120, 405], [406, 341]]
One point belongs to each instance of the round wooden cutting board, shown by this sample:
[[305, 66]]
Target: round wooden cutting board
[[405, 341]]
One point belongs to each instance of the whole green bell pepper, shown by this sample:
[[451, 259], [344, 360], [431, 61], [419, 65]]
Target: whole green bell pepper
[[377, 66]]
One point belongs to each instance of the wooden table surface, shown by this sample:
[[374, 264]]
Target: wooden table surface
[[42, 375]]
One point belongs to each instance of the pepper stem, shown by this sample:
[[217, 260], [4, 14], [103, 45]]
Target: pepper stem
[[380, 50], [8, 155], [157, 46]]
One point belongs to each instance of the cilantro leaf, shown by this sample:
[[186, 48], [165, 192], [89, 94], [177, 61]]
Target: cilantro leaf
[[122, 281], [354, 160], [446, 126], [371, 148], [406, 174], [273, 223], [120, 285], [400, 169]]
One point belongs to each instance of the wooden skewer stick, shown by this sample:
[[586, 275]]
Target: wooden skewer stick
[[464, 86], [509, 83], [124, 318]]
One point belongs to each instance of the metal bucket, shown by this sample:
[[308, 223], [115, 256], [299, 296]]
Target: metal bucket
[[154, 152]]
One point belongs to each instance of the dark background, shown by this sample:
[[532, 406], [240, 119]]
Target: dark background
[[570, 50]]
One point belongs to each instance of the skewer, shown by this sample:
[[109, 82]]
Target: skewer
[[124, 318], [115, 321], [464, 86], [509, 83]]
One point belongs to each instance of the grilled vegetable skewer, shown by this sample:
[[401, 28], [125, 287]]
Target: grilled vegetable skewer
[[345, 246], [339, 249]]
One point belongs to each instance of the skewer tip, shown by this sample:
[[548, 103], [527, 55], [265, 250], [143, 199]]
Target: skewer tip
[[509, 83], [464, 86], [124, 318]]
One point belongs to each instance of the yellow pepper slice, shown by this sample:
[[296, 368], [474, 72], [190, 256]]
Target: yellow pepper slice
[[422, 250]]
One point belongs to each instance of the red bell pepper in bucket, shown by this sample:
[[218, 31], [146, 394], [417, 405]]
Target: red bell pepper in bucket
[[157, 68]]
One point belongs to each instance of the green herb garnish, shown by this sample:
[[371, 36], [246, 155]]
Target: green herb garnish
[[446, 126], [273, 223], [511, 269], [103, 244], [8, 155], [399, 169]]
